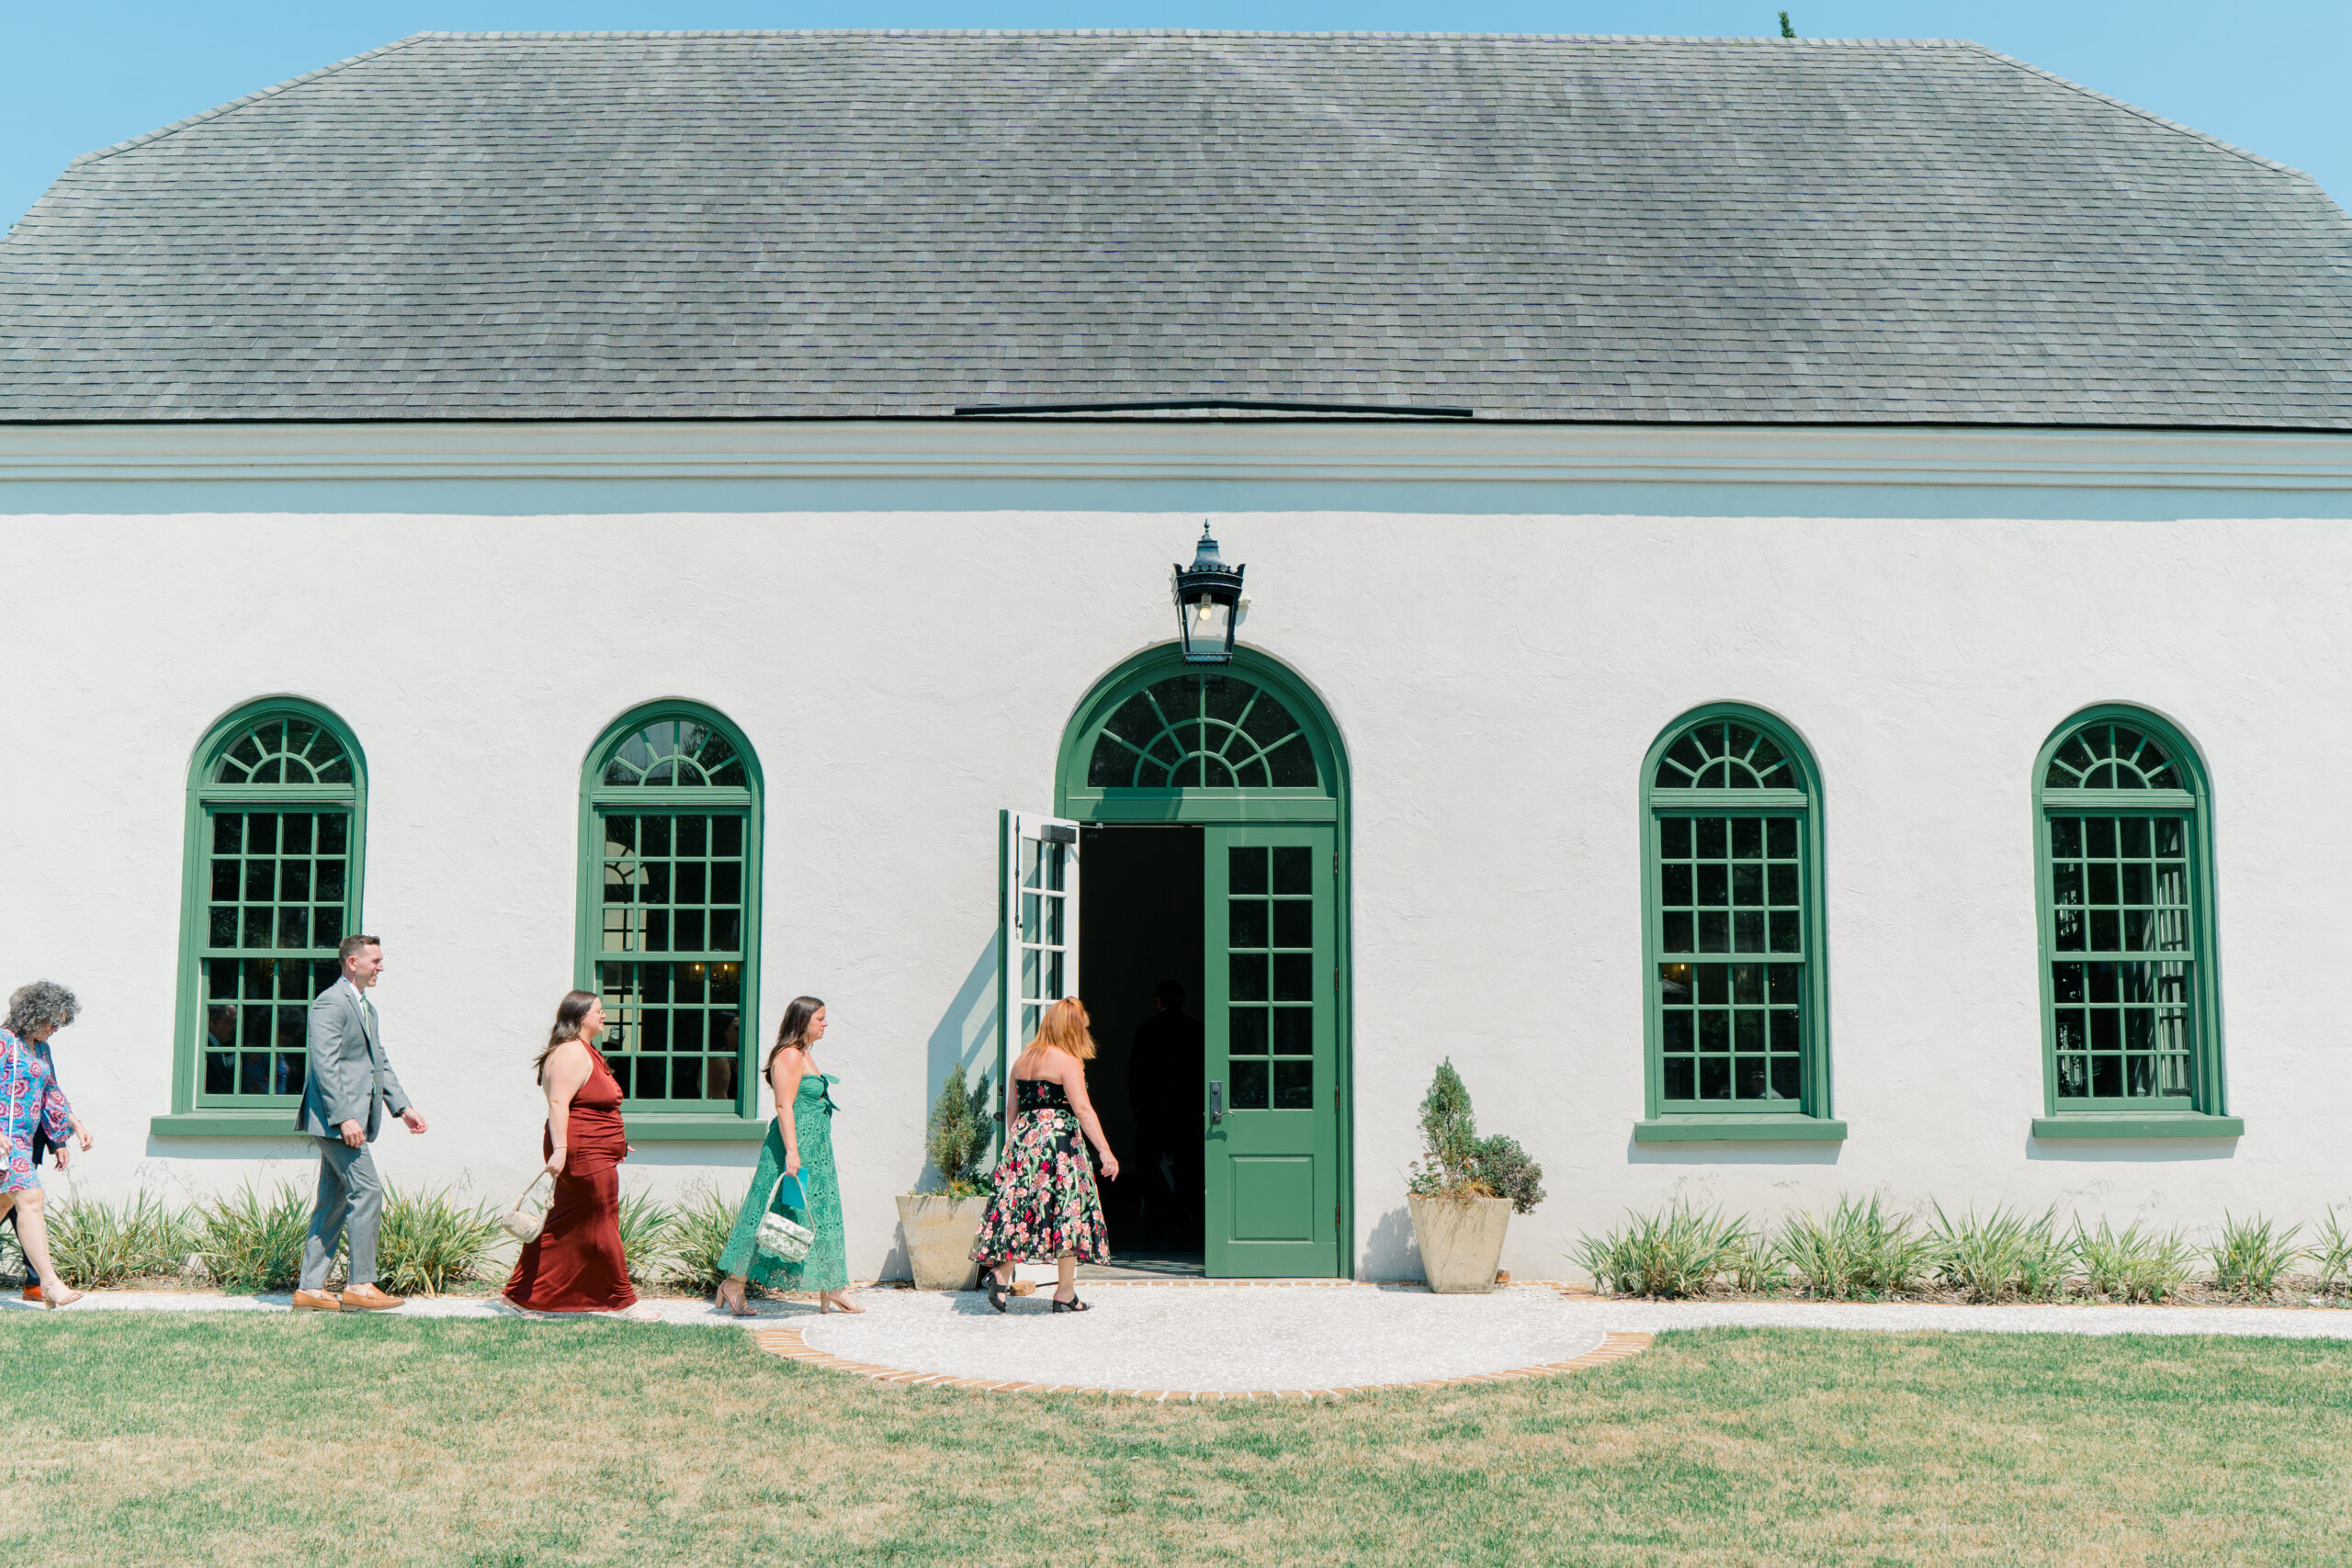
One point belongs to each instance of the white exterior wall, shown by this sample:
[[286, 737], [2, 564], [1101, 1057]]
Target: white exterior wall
[[1496, 679]]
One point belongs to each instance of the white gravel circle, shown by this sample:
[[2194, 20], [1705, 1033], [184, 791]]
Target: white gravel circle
[[1210, 1339]]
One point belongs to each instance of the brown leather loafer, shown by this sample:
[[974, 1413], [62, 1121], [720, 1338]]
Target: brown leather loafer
[[317, 1301], [32, 1292], [367, 1298]]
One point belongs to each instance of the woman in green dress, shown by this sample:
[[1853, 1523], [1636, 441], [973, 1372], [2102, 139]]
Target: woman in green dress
[[799, 1143]]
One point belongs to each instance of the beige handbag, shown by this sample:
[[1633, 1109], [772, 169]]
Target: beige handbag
[[530, 1215], [779, 1236]]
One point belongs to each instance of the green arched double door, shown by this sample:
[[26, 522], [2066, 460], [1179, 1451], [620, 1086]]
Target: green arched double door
[[1199, 836]]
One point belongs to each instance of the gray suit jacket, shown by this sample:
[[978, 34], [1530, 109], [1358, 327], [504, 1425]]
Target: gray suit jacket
[[349, 1079]]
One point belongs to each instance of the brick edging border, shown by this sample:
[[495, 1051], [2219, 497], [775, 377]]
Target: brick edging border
[[787, 1342]]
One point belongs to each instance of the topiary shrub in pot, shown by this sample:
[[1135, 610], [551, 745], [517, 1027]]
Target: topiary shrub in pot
[[940, 1225], [1463, 1190]]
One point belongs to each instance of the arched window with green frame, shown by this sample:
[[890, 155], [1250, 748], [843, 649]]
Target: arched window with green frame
[[2124, 871], [669, 923], [1735, 955], [275, 845]]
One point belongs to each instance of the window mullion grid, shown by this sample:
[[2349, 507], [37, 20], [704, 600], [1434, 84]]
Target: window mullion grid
[[2123, 1027], [691, 997], [1735, 1026], [265, 981]]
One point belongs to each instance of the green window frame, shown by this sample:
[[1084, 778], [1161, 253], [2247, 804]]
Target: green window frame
[[273, 864], [1734, 949], [2124, 884], [668, 931]]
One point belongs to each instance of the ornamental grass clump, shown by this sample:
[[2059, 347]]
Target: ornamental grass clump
[[1457, 1163], [2251, 1257], [2330, 1257], [2004, 1256], [251, 1243], [646, 1226], [1857, 1252], [96, 1244], [430, 1242], [698, 1235], [2132, 1264], [959, 1135], [1678, 1252]]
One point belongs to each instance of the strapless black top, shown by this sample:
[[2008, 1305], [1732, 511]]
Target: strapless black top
[[1041, 1094]]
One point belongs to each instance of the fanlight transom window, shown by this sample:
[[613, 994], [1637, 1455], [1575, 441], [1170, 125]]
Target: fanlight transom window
[[282, 750], [1725, 754], [676, 751], [2112, 756], [1202, 732]]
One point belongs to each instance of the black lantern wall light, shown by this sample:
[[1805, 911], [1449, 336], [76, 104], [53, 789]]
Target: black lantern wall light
[[1208, 604]]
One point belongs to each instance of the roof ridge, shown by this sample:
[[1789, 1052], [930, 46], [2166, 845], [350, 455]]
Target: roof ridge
[[1757, 39], [217, 110], [2149, 115]]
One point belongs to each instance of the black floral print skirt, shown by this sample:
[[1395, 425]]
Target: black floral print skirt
[[1046, 1205]]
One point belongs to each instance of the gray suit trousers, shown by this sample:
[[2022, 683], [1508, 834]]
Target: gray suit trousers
[[350, 1193]]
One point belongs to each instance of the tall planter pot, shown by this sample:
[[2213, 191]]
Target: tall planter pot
[[940, 1230], [1461, 1241]]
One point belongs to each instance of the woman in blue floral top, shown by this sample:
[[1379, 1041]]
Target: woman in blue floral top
[[30, 1099], [1045, 1206]]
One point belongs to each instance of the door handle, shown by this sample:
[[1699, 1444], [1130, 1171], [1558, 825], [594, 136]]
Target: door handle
[[1216, 1100]]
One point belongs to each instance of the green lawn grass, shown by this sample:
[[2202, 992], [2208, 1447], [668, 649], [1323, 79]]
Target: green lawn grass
[[173, 1440]]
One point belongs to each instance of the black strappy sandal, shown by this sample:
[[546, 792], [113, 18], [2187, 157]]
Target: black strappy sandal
[[1073, 1305], [996, 1292]]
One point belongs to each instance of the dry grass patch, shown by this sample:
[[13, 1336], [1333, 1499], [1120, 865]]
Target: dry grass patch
[[203, 1439]]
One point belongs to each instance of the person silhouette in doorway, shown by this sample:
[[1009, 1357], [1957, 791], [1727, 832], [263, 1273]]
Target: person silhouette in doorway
[[1164, 1091]]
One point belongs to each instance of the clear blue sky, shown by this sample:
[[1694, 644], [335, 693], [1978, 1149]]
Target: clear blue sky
[[2267, 75]]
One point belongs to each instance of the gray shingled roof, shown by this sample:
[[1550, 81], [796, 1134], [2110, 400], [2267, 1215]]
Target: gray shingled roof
[[862, 224]]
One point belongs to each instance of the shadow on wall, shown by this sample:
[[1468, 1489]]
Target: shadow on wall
[[1389, 1250], [1730, 1154], [2107, 1151], [964, 1039]]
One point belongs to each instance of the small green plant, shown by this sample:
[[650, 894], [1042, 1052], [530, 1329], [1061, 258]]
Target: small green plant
[[2331, 1256], [2004, 1256], [697, 1240], [1680, 1251], [2251, 1257], [430, 1242], [1858, 1251], [255, 1244], [1457, 1163], [646, 1228], [96, 1245], [2132, 1264], [960, 1131]]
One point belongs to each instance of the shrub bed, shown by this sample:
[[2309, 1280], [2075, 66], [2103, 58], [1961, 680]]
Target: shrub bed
[[1860, 1249]]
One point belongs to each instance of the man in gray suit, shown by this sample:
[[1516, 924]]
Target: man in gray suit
[[350, 1085]]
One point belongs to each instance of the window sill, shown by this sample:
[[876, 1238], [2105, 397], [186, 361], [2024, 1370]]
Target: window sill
[[271, 1124], [676, 1127], [2125, 1124], [1704, 1129]]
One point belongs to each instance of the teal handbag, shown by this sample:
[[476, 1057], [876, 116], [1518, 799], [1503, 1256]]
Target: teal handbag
[[781, 1237]]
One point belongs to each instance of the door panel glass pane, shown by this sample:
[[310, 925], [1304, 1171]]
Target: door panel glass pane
[[1249, 1084], [1245, 922], [1246, 869], [1293, 1031], [1248, 976], [1294, 1085], [1294, 976], [1249, 1036]]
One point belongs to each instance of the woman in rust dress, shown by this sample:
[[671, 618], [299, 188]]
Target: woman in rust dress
[[576, 1265]]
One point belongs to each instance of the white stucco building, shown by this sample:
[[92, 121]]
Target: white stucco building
[[1852, 706]]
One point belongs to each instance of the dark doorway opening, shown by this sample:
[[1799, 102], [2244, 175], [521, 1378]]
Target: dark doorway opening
[[1139, 926]]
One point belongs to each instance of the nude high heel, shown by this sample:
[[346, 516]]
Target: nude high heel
[[68, 1299]]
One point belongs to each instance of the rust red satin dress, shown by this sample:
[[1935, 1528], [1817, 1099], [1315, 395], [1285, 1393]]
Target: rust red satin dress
[[575, 1266]]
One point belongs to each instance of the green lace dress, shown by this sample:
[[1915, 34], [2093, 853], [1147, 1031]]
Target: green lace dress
[[827, 1266]]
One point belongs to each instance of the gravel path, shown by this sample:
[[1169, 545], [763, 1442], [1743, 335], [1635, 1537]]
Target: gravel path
[[1657, 1317], [1222, 1338]]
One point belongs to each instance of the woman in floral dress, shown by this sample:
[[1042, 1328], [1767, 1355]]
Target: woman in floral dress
[[30, 1100], [799, 1143], [1045, 1206]]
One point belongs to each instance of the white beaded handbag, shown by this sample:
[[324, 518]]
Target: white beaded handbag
[[783, 1238]]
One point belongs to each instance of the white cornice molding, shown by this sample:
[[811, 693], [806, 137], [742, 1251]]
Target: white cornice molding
[[1027, 453]]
